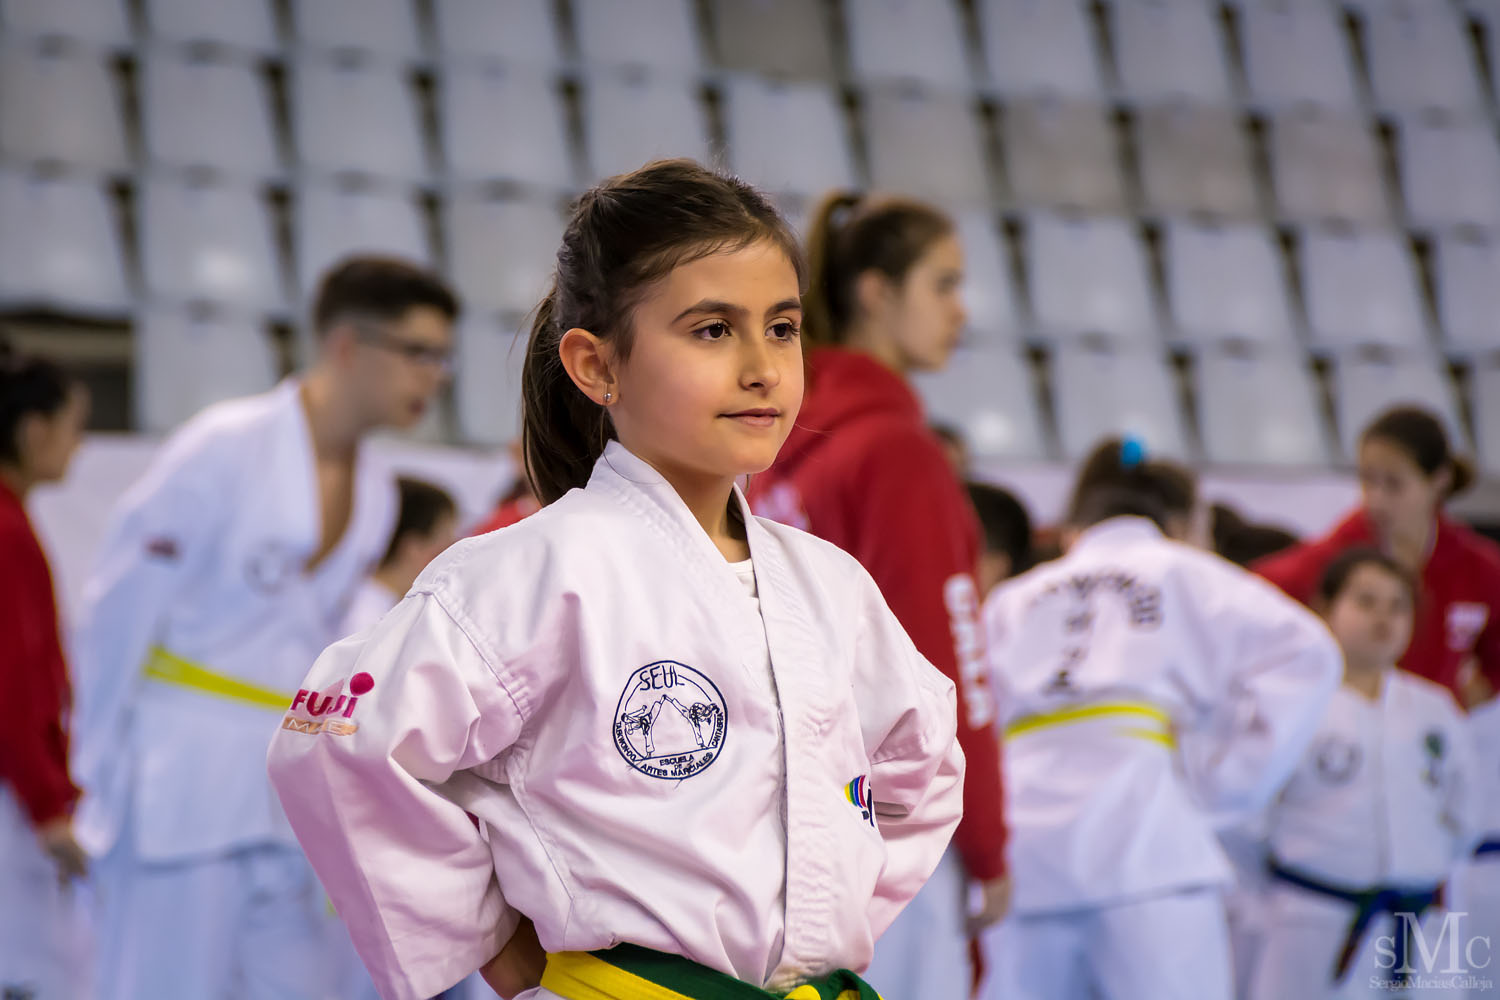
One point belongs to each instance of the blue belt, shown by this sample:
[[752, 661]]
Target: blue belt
[[1488, 847], [1368, 904]]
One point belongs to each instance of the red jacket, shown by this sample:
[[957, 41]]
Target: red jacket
[[862, 470], [1458, 603], [35, 695]]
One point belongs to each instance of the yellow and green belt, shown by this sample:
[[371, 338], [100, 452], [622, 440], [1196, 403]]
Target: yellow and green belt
[[630, 972]]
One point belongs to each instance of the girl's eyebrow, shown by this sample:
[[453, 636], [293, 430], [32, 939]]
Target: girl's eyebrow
[[718, 307]]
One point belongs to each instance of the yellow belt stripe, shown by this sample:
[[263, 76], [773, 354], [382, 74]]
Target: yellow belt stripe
[[578, 975], [168, 668], [1082, 713]]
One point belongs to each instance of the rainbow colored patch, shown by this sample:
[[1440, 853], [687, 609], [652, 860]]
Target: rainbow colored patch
[[859, 795]]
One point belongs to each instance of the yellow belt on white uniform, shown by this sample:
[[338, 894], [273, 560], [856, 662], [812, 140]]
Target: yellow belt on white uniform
[[1152, 723], [169, 668]]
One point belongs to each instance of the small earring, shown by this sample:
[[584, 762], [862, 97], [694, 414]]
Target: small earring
[[607, 397]]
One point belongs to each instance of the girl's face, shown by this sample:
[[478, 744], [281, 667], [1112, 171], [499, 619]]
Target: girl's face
[[48, 441], [928, 313], [1400, 498], [1372, 617], [713, 381]]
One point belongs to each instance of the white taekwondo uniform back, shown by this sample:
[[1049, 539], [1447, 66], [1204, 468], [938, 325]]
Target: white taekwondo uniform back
[[1382, 798], [199, 618], [1142, 683], [591, 684]]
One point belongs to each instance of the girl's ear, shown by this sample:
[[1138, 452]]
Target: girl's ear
[[587, 360]]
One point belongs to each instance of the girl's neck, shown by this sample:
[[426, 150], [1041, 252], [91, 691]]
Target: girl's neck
[[866, 339], [708, 499], [16, 481], [1411, 548], [1366, 679]]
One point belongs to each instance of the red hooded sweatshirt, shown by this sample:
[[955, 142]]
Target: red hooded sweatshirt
[[34, 690], [862, 470], [1458, 600]]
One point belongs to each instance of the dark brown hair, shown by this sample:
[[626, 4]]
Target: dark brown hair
[[1420, 434], [423, 505], [851, 234], [1118, 480], [624, 235], [1338, 572], [378, 288], [28, 385]]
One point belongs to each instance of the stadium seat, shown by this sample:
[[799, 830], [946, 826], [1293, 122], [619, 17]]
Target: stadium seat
[[60, 246], [379, 27], [988, 394], [238, 24], [628, 121], [1361, 287], [188, 359], [1101, 392], [1419, 57], [355, 115], [58, 104], [988, 290], [510, 32], [1466, 266], [660, 35], [1296, 53], [483, 112], [1089, 276], [1196, 160], [786, 137], [333, 221], [778, 38], [1063, 154], [1450, 171], [928, 146], [1366, 384], [900, 40], [1487, 417], [487, 387], [1169, 51], [1227, 282], [1040, 47], [207, 113], [1324, 166], [501, 253], [208, 241], [1236, 424], [96, 22]]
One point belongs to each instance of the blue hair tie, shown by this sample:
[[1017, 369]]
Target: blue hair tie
[[1132, 452]]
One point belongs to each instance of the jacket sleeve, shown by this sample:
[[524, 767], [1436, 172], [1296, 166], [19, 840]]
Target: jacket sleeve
[[910, 713], [918, 539], [164, 526], [410, 874], [33, 760], [1272, 670]]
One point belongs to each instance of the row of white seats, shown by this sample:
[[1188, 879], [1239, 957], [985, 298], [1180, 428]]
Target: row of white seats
[[1294, 51], [511, 125], [186, 360], [60, 248]]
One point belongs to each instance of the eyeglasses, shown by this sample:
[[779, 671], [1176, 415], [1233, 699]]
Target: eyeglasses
[[440, 358]]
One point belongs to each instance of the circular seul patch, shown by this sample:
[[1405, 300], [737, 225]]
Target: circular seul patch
[[670, 722]]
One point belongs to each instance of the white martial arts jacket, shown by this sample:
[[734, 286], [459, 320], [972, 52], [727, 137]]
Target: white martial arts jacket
[[591, 685], [1142, 684], [199, 618], [1384, 795]]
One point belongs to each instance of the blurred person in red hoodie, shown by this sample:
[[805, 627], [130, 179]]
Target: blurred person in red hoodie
[[42, 414], [1408, 471], [863, 470]]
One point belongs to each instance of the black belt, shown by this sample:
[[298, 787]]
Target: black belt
[[1368, 904]]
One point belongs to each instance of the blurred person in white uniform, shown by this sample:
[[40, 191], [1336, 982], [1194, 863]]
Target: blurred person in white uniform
[[1374, 818], [426, 524], [1143, 682], [227, 568]]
